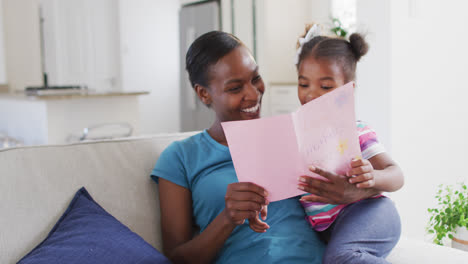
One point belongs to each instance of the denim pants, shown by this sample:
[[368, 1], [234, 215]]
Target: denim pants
[[363, 232]]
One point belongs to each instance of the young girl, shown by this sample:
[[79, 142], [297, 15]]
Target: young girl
[[360, 230]]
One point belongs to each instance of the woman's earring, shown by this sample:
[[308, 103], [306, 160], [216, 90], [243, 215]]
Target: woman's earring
[[207, 101]]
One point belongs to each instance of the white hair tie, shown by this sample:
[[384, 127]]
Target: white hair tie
[[313, 32]]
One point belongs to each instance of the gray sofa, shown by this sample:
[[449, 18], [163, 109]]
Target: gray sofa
[[37, 183]]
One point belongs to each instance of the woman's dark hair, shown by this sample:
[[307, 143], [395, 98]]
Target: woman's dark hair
[[205, 51], [347, 53]]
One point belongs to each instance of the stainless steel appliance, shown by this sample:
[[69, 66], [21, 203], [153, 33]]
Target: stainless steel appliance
[[194, 20]]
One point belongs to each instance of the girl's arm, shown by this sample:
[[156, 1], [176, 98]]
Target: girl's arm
[[243, 200], [379, 172]]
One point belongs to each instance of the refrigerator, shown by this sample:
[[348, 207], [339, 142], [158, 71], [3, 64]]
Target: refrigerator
[[195, 20]]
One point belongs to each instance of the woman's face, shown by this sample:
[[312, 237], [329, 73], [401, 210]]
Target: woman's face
[[318, 77], [235, 88]]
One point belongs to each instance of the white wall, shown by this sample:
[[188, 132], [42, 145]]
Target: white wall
[[412, 90], [22, 43], [318, 11], [373, 71], [279, 25], [149, 38], [280, 39], [429, 111]]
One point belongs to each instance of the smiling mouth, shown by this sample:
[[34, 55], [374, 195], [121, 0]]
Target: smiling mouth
[[251, 109]]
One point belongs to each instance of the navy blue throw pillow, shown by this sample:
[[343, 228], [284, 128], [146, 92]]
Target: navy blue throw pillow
[[86, 233]]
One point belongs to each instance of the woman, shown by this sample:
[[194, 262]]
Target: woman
[[197, 181]]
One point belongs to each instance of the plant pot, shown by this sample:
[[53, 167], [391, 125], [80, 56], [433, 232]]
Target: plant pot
[[460, 238]]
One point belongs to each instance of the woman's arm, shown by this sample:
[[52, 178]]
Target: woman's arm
[[243, 200], [176, 227]]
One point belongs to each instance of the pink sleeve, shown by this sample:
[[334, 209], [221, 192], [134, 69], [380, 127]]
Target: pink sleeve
[[370, 145]]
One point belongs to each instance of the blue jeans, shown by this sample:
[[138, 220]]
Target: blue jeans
[[364, 232]]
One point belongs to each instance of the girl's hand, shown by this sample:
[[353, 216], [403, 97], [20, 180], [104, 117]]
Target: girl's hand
[[337, 190], [258, 225], [245, 200], [361, 173]]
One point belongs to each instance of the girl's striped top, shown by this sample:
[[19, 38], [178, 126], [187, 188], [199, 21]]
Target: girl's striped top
[[321, 216]]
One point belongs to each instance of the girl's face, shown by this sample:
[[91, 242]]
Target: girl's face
[[318, 77], [236, 88]]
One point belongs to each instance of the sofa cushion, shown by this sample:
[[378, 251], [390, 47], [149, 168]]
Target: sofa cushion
[[86, 233], [38, 182]]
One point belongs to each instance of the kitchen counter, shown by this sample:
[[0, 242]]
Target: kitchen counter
[[71, 94], [54, 118]]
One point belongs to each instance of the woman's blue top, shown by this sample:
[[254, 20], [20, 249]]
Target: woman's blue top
[[205, 167]]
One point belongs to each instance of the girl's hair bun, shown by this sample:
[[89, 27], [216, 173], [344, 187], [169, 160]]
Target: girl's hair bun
[[358, 45]]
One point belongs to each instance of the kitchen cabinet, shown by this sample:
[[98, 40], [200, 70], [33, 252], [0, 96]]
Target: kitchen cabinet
[[82, 43]]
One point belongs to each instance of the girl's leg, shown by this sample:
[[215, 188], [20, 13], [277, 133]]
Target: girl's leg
[[364, 232]]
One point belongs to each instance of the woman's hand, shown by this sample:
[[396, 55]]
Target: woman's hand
[[245, 200], [361, 173], [337, 190]]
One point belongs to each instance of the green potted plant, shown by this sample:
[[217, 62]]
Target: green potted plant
[[338, 29], [450, 217]]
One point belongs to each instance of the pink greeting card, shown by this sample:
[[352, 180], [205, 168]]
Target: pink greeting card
[[274, 151]]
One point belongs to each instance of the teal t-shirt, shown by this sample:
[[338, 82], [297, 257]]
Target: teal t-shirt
[[205, 167]]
